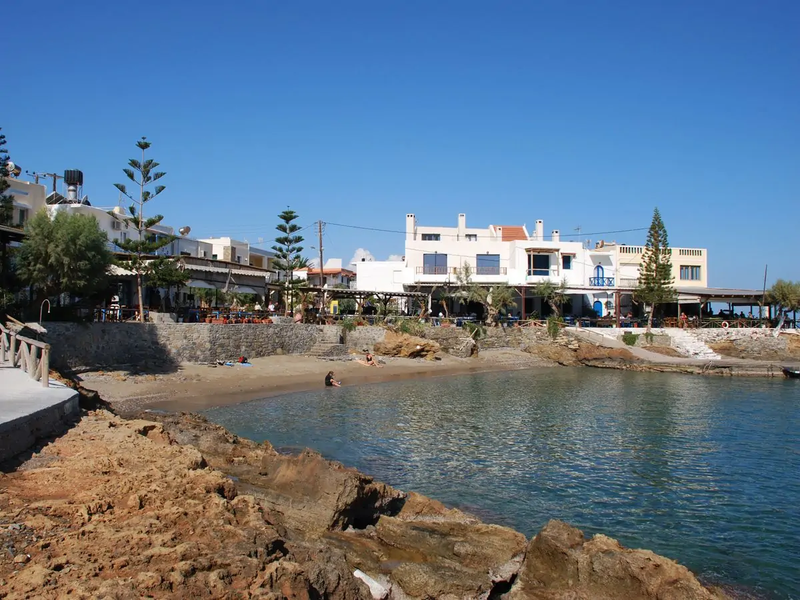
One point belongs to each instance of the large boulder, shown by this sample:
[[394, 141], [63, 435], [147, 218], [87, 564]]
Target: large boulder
[[406, 346], [318, 495], [561, 564]]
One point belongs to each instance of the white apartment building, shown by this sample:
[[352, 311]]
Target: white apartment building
[[598, 278], [27, 199], [333, 274]]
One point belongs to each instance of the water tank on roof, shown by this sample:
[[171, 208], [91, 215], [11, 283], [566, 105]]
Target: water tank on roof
[[73, 177]]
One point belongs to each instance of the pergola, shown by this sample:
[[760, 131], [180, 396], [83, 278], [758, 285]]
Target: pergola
[[361, 296], [730, 296]]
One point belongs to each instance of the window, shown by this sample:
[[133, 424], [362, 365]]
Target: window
[[538, 264], [239, 259], [123, 237], [116, 225], [203, 254], [23, 216], [487, 264], [690, 273], [434, 264], [431, 237], [213, 257], [566, 262], [472, 237]]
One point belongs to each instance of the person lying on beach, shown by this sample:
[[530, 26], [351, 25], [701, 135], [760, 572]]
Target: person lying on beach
[[369, 360], [330, 381]]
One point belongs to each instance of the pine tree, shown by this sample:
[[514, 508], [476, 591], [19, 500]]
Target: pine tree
[[655, 273], [139, 251], [6, 215], [6, 200], [287, 254]]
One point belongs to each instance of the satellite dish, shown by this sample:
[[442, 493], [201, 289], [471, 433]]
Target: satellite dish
[[13, 169], [184, 230], [118, 210]]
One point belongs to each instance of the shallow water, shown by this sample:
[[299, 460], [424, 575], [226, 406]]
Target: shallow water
[[703, 470]]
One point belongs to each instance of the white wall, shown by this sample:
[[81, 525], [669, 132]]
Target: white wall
[[27, 198], [380, 276]]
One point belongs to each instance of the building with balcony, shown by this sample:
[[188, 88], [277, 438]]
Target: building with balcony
[[597, 278]]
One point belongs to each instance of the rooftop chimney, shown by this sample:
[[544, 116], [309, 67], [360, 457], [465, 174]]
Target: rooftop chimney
[[556, 235], [411, 227], [539, 231]]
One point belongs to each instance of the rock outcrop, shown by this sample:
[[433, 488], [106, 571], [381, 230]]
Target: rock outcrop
[[176, 507], [406, 346], [561, 564]]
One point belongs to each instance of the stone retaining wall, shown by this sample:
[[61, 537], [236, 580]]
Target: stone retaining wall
[[162, 346]]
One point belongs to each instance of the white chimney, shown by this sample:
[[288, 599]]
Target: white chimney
[[72, 194], [556, 235], [462, 225], [411, 227], [539, 235]]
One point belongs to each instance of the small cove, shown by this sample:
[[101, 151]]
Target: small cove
[[703, 470]]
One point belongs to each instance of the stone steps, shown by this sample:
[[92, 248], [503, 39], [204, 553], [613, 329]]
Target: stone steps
[[326, 349], [687, 344]]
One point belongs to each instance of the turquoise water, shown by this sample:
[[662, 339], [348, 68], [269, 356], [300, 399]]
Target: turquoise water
[[703, 470]]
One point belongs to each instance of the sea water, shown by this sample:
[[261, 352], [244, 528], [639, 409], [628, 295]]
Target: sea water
[[704, 470]]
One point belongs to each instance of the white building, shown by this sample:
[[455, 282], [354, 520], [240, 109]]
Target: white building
[[512, 255], [333, 274]]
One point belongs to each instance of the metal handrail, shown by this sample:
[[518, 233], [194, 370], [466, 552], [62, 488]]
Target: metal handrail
[[601, 281]]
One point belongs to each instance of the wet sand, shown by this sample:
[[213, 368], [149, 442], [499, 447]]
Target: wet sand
[[198, 387]]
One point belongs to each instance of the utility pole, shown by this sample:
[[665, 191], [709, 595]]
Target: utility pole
[[321, 285], [53, 175]]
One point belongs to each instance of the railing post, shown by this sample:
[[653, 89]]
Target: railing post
[[32, 351], [45, 365], [13, 349]]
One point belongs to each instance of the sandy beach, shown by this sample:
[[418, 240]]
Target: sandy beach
[[196, 387]]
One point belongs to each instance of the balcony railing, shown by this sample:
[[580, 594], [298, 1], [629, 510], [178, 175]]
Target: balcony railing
[[490, 270], [431, 270], [601, 281], [538, 272]]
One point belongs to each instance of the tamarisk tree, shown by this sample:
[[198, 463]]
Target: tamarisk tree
[[288, 258], [138, 250], [655, 273]]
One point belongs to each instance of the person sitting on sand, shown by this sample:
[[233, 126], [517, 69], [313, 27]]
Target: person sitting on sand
[[330, 381], [369, 360]]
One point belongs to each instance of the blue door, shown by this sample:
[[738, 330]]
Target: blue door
[[598, 306], [599, 272]]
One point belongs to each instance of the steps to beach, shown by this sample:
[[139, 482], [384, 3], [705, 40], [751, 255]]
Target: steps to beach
[[690, 346], [327, 349]]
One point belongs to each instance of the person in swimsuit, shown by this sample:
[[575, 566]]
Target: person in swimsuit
[[330, 381]]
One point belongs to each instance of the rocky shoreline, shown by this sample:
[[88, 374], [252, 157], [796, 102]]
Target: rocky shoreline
[[172, 506]]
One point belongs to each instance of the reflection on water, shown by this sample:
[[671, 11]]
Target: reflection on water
[[704, 470]]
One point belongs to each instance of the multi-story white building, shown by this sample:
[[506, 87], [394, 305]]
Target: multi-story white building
[[598, 278]]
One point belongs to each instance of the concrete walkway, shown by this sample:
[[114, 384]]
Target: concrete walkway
[[29, 411], [741, 365]]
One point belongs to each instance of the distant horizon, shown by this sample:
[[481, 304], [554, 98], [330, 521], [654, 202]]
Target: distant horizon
[[581, 115]]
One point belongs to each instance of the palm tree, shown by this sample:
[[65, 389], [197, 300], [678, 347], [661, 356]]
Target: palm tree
[[494, 299], [554, 294]]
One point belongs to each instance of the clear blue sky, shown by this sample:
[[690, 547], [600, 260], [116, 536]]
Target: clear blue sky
[[357, 112]]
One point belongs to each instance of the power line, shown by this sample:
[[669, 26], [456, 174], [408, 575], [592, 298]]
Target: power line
[[456, 235]]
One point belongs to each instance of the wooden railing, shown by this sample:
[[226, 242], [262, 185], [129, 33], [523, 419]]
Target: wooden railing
[[32, 356]]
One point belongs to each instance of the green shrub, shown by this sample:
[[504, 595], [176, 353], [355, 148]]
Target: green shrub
[[649, 337], [629, 338], [554, 326], [348, 325], [475, 330], [411, 327]]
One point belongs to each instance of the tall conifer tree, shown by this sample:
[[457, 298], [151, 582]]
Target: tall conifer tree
[[655, 273], [142, 173], [288, 258]]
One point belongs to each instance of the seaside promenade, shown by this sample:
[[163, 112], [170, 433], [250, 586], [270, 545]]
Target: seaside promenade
[[29, 411]]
